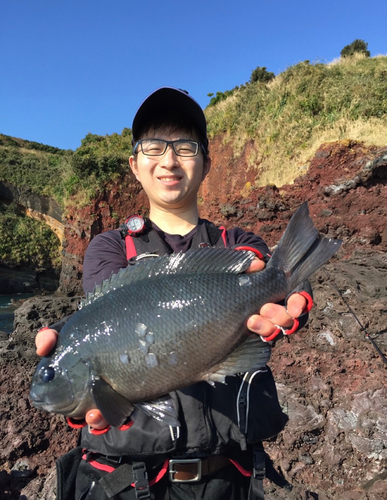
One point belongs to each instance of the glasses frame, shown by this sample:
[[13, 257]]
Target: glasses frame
[[167, 143]]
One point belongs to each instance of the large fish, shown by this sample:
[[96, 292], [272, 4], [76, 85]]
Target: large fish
[[167, 323]]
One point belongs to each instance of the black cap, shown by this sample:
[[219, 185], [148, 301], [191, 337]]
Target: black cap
[[169, 99]]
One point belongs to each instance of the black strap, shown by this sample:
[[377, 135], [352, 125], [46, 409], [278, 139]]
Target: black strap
[[259, 469], [66, 472], [124, 476], [141, 483]]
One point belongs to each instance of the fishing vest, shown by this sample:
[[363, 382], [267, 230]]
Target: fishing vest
[[226, 420]]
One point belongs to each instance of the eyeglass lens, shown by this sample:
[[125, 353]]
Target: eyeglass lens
[[157, 147]]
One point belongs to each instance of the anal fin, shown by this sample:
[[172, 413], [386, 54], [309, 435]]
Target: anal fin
[[162, 409], [251, 355]]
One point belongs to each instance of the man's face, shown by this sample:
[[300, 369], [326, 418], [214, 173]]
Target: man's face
[[170, 181]]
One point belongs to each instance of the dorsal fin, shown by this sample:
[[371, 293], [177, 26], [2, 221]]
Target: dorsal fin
[[205, 261]]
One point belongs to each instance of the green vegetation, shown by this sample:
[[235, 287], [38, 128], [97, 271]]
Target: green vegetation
[[6, 140], [260, 74], [40, 172], [25, 241], [304, 106], [357, 46], [98, 160], [220, 96], [61, 174]]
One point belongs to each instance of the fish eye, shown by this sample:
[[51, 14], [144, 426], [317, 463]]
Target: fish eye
[[47, 374]]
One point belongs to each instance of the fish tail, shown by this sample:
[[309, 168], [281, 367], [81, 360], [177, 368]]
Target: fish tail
[[301, 251]]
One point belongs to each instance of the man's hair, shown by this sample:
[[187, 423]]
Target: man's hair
[[172, 123]]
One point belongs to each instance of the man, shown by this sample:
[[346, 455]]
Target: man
[[216, 453]]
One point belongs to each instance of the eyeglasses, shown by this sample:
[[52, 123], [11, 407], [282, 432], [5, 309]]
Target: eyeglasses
[[157, 147]]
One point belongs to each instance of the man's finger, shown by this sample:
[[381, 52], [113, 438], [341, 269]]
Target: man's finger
[[95, 419], [277, 314], [296, 304], [45, 341], [255, 266], [261, 326]]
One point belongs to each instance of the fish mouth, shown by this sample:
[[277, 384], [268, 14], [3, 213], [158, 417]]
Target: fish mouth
[[44, 404]]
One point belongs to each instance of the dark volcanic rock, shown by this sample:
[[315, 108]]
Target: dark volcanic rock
[[332, 382], [30, 439], [27, 281]]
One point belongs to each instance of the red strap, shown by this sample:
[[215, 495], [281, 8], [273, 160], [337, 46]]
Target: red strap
[[240, 468], [294, 328], [161, 474], [44, 328], [224, 235], [130, 248], [109, 468], [79, 424], [127, 426], [76, 423], [285, 331], [309, 301], [99, 432], [97, 465], [251, 249]]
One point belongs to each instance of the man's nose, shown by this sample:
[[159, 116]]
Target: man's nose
[[170, 158]]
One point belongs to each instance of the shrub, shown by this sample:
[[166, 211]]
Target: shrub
[[25, 241], [356, 46], [260, 74], [220, 96]]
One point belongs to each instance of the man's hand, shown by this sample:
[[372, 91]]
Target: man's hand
[[273, 315], [45, 341]]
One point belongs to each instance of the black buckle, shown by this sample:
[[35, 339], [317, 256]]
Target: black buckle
[[259, 470], [141, 484], [112, 459], [259, 474]]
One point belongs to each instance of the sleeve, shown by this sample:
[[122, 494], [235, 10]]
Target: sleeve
[[239, 238], [104, 256]]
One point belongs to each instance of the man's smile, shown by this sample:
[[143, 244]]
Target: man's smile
[[170, 179]]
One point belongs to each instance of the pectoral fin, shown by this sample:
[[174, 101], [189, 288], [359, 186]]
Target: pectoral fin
[[114, 407]]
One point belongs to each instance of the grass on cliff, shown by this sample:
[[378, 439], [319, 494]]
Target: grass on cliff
[[303, 107], [66, 174], [26, 242]]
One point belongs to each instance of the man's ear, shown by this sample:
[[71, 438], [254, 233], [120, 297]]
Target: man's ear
[[133, 165], [206, 167]]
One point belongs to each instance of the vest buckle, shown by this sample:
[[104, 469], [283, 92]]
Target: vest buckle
[[185, 470]]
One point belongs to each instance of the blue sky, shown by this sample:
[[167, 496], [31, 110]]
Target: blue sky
[[70, 67]]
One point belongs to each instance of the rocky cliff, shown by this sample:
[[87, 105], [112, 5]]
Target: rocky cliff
[[330, 378]]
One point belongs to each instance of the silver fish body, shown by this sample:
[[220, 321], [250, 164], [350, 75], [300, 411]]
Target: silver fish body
[[170, 322]]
